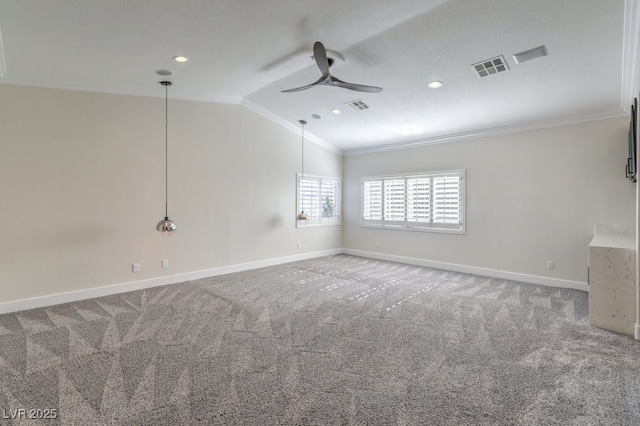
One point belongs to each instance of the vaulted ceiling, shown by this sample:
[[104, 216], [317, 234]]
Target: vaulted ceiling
[[249, 51]]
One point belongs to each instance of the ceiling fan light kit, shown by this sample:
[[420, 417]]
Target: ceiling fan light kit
[[320, 56]]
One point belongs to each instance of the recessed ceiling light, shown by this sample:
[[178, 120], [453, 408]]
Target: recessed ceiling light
[[180, 58], [435, 84], [335, 111], [164, 72], [316, 116]]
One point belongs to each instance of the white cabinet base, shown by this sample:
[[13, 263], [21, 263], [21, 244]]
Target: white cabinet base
[[612, 283]]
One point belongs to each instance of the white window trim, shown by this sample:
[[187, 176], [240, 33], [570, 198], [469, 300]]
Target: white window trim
[[322, 221], [403, 225]]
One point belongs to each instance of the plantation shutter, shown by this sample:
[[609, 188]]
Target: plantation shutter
[[309, 194], [329, 197], [418, 201], [430, 201], [319, 197], [394, 201], [446, 200], [372, 195]]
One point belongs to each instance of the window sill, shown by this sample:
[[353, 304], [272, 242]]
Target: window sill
[[316, 225], [416, 229]]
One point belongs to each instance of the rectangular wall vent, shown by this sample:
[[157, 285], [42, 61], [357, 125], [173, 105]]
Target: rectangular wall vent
[[490, 66], [358, 105]]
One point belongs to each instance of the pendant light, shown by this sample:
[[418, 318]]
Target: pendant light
[[302, 215], [166, 224]]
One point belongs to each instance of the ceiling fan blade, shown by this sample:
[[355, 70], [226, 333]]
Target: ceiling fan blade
[[356, 87], [309, 86], [297, 89], [320, 55]]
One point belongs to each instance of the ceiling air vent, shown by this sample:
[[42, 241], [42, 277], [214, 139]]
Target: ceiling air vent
[[528, 55], [358, 105], [491, 66]]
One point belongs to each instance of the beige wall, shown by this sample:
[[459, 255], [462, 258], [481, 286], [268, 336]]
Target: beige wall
[[531, 197], [83, 177]]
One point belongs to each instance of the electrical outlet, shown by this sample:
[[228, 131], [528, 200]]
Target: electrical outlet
[[165, 263], [377, 244], [135, 267], [299, 245], [550, 264]]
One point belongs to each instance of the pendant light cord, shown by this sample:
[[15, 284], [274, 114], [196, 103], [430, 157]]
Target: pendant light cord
[[166, 225], [302, 123], [166, 150]]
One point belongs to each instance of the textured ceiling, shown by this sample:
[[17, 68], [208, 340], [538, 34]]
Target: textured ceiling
[[248, 51]]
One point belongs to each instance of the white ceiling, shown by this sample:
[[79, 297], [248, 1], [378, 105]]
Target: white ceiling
[[244, 51]]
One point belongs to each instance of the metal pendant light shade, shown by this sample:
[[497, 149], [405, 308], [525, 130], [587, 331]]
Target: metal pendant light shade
[[166, 224], [302, 215]]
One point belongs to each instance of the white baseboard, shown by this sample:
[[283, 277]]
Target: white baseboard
[[493, 273], [74, 296]]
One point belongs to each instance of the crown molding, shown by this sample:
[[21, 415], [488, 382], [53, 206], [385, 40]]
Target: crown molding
[[523, 127], [284, 123]]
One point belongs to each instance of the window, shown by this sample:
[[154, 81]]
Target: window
[[319, 197], [425, 202]]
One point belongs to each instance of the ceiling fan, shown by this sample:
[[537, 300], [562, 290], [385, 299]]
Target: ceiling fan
[[320, 55]]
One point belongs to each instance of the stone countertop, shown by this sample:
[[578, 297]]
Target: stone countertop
[[614, 241]]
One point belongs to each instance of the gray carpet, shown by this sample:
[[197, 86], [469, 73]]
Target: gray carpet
[[330, 341]]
